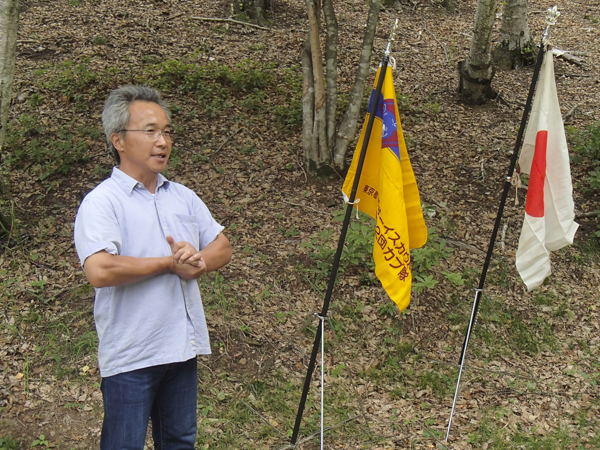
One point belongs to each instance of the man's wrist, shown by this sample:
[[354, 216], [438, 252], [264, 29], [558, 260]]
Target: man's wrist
[[169, 264]]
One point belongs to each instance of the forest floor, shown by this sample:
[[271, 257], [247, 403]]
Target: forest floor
[[533, 364]]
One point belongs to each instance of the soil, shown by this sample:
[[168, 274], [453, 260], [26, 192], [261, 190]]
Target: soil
[[260, 308]]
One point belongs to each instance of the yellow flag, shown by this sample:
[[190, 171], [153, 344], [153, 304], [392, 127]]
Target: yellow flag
[[387, 191]]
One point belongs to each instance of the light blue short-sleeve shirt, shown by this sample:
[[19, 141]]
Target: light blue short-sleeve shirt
[[159, 320]]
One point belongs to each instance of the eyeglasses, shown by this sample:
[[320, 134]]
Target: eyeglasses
[[155, 134]]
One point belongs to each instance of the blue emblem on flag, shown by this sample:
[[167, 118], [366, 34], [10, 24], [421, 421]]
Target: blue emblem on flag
[[389, 131]]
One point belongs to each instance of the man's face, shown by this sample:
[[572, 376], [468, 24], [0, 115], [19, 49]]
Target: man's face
[[143, 154]]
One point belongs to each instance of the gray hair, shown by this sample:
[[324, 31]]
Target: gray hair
[[115, 115]]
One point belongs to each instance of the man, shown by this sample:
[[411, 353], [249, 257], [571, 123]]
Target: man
[[143, 241]]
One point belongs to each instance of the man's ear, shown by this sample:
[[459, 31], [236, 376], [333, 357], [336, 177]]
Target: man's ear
[[117, 141]]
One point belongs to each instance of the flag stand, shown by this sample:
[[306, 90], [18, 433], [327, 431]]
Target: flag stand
[[336, 261], [551, 16]]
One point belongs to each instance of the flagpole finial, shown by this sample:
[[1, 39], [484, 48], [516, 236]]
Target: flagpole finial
[[388, 49], [552, 15]]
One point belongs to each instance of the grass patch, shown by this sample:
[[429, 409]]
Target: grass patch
[[492, 433], [505, 331], [8, 443], [48, 152], [230, 419]]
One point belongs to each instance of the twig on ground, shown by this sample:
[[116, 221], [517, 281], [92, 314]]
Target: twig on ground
[[572, 110], [503, 236], [438, 41], [305, 206], [464, 246], [481, 369], [482, 170], [568, 56], [587, 214], [148, 26], [226, 139], [433, 435], [308, 438], [215, 19], [262, 418], [174, 16]]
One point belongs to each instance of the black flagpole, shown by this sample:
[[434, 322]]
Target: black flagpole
[[340, 248], [507, 184]]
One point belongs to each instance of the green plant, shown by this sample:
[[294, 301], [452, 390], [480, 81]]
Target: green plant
[[49, 152], [8, 443], [420, 283], [99, 40], [357, 251], [289, 115], [585, 151], [216, 294], [74, 82], [425, 258], [41, 441], [455, 278]]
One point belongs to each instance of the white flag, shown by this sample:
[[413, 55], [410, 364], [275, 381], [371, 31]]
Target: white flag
[[549, 210]]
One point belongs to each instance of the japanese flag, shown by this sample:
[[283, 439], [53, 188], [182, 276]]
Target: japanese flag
[[549, 210]]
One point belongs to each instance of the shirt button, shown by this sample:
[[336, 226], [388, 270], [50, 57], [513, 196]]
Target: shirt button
[[193, 342]]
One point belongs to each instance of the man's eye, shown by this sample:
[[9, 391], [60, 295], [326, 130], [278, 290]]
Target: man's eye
[[150, 131], [168, 132]]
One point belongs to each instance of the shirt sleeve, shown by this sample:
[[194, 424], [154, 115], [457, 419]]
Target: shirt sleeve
[[96, 228], [209, 228]]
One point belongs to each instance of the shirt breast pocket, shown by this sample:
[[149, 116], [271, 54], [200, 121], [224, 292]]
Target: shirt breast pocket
[[187, 230]]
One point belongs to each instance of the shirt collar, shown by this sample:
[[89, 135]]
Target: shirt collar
[[128, 184]]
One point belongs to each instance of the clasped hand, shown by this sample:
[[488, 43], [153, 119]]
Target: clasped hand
[[187, 261]]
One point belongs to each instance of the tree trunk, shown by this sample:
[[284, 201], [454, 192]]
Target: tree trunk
[[331, 69], [253, 9], [347, 129], [515, 48], [259, 11], [477, 72], [317, 155], [308, 102], [321, 143], [9, 23]]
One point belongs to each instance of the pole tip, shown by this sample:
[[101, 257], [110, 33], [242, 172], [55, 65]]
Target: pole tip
[[552, 15]]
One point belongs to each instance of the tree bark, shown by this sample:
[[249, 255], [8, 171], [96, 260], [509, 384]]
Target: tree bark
[[331, 69], [317, 155], [321, 143], [347, 129], [259, 11], [308, 102], [515, 48], [254, 9], [477, 72], [9, 23]]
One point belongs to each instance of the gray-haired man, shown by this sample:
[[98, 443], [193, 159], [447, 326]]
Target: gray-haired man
[[143, 241]]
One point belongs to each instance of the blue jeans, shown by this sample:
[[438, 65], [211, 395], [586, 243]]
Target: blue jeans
[[166, 393]]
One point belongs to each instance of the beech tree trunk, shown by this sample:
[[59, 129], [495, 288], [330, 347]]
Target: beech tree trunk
[[324, 148], [255, 9], [349, 124], [477, 72], [9, 23], [516, 48], [317, 153]]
